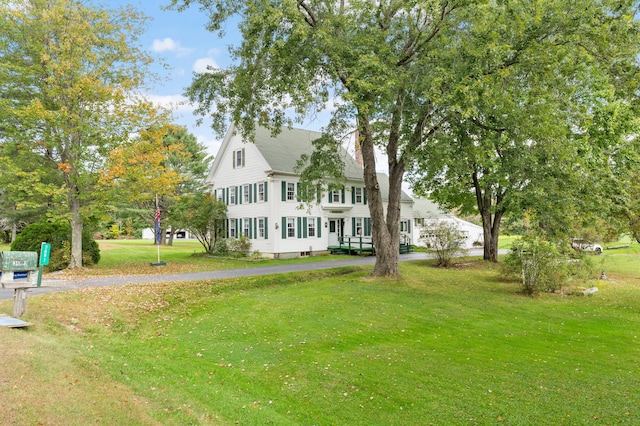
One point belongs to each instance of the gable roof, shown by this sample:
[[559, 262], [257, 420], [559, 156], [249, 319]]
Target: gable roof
[[425, 208], [283, 151]]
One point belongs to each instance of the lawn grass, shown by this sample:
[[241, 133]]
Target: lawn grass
[[134, 257], [456, 346]]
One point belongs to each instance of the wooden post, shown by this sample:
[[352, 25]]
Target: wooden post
[[19, 302]]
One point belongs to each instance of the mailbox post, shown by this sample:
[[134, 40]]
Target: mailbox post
[[19, 271]]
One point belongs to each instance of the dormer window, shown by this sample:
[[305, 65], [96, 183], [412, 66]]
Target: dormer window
[[238, 158]]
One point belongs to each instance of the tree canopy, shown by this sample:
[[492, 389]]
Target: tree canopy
[[408, 75], [70, 74], [163, 160]]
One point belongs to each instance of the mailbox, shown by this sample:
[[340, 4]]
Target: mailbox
[[18, 261], [18, 269]]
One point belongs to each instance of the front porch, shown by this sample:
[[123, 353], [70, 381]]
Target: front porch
[[362, 246]]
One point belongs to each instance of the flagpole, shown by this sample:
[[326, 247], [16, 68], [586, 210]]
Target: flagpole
[[156, 223], [158, 229]]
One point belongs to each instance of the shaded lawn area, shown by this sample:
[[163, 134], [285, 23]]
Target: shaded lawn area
[[457, 346]]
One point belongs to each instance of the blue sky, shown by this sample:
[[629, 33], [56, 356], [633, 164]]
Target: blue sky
[[182, 41]]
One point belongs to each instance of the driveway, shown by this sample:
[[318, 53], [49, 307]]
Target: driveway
[[53, 285]]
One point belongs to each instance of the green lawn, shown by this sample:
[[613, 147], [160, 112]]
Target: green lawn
[[457, 346], [134, 257]]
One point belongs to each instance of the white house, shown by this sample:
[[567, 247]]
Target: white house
[[259, 184], [425, 212]]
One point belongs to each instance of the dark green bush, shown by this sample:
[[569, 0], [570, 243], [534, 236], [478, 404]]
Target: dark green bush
[[59, 236]]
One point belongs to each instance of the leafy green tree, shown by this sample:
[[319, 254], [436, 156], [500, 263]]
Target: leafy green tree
[[30, 188], [401, 72], [202, 215], [165, 160], [548, 136], [69, 73], [634, 208]]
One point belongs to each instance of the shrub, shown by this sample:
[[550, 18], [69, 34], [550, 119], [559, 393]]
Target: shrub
[[221, 248], [59, 236], [240, 247], [542, 265], [113, 232], [445, 239]]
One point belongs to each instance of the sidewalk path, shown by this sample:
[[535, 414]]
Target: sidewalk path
[[50, 285]]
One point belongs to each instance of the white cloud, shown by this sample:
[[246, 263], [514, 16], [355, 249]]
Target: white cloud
[[202, 65], [169, 45], [213, 145]]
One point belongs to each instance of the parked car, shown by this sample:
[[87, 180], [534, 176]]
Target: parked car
[[586, 245]]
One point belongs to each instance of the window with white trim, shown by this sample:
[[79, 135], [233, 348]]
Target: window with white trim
[[311, 227], [261, 227], [404, 226], [246, 227], [232, 228], [261, 191], [232, 195], [357, 195], [291, 227], [220, 195], [291, 191], [238, 158], [358, 226], [246, 194], [334, 196]]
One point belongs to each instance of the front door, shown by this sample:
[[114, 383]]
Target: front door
[[335, 232]]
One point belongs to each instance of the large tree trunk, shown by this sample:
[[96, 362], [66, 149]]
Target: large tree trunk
[[386, 234], [491, 231], [490, 222], [76, 232]]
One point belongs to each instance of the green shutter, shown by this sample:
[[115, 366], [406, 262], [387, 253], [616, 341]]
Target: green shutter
[[299, 227], [318, 195], [284, 228], [242, 157], [255, 192], [266, 184], [353, 226], [239, 195], [266, 228], [255, 227], [353, 195], [284, 191], [367, 226], [342, 192], [304, 227], [364, 195], [319, 232]]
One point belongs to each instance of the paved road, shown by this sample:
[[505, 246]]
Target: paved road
[[52, 285]]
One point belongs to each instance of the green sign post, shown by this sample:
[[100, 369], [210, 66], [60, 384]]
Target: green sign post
[[45, 253]]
